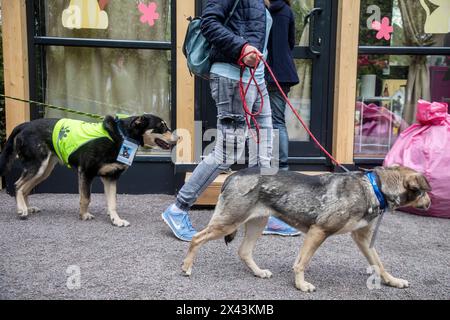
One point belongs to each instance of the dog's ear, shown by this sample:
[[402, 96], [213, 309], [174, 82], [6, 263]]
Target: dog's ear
[[139, 123], [417, 182], [109, 123]]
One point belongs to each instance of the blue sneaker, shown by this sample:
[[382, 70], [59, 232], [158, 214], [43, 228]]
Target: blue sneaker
[[277, 227], [180, 224]]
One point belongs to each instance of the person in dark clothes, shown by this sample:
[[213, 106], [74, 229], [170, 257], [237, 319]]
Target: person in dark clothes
[[280, 46]]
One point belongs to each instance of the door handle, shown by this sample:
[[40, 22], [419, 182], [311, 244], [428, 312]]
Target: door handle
[[310, 17]]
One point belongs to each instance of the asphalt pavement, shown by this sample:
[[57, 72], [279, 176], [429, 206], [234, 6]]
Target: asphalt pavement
[[54, 255]]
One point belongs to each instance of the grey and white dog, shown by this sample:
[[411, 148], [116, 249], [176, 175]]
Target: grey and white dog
[[319, 206]]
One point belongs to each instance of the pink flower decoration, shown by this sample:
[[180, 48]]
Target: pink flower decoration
[[384, 28], [149, 14]]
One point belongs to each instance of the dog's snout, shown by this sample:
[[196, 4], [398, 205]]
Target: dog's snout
[[424, 203], [427, 205], [171, 137], [176, 138]]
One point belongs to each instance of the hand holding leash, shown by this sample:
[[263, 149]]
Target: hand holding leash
[[251, 56]]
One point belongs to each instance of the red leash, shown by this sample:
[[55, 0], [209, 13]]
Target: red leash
[[243, 92]]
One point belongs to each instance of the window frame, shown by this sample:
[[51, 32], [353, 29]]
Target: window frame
[[38, 42]]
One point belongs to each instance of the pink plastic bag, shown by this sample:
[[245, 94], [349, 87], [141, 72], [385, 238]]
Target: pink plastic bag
[[425, 147]]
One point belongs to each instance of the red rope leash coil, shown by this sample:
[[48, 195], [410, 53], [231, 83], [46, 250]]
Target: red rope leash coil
[[251, 117]]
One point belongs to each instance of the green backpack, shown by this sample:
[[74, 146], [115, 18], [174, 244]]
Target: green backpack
[[197, 49]]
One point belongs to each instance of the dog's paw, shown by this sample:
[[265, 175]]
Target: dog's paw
[[397, 283], [263, 274], [187, 269], [23, 214], [86, 216], [33, 210], [120, 222], [305, 286]]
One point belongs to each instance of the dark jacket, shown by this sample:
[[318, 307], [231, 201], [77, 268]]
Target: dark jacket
[[281, 44], [247, 25]]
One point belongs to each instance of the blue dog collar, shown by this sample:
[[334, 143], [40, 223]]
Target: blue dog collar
[[376, 189]]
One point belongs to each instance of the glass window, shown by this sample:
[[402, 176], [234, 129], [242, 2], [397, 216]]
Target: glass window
[[108, 81], [389, 87], [424, 23], [301, 8], [300, 96], [105, 19]]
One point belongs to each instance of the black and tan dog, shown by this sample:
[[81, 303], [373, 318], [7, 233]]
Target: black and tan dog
[[92, 150], [320, 206]]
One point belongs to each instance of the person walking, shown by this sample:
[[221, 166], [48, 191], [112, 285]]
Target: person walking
[[247, 31], [280, 46]]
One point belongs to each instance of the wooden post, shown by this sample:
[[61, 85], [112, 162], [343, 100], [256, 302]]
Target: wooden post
[[345, 82], [185, 86], [15, 61]]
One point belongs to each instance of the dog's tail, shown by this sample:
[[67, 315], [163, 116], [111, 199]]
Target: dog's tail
[[8, 152], [230, 237]]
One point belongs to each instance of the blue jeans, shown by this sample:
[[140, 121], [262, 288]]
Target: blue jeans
[[278, 106], [231, 137]]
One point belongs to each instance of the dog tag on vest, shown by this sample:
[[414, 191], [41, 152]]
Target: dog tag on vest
[[127, 152]]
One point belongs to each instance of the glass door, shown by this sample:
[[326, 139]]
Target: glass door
[[315, 30]]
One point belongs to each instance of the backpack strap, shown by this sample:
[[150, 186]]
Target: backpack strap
[[232, 12]]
